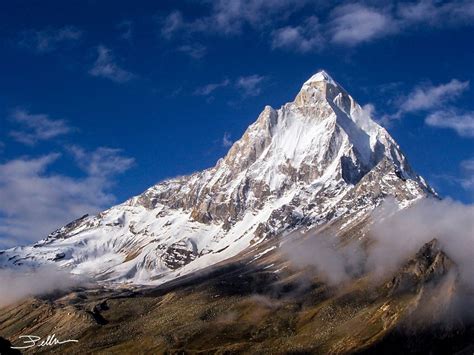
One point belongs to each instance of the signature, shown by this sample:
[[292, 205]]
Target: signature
[[34, 340]]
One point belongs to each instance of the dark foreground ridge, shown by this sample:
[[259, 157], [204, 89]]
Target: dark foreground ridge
[[244, 307]]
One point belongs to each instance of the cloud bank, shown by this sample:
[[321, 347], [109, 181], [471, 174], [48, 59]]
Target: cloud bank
[[41, 281], [396, 236]]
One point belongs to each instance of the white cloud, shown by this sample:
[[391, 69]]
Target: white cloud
[[106, 67], [435, 101], [352, 24], [349, 24], [428, 97], [37, 127], [48, 40], [210, 88], [36, 201], [303, 38], [226, 140], [102, 162], [250, 85], [462, 123]]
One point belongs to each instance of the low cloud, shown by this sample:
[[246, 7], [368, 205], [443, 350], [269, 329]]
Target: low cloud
[[37, 127], [37, 201], [396, 236], [333, 263], [34, 282], [106, 67], [48, 40]]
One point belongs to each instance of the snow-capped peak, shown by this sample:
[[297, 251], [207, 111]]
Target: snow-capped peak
[[323, 76]]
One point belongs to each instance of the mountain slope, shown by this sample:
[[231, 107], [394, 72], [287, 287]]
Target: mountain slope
[[248, 308], [318, 159]]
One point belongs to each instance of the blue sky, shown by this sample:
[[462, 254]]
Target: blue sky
[[99, 100]]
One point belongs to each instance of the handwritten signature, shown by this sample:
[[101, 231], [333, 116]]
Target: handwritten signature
[[34, 340]]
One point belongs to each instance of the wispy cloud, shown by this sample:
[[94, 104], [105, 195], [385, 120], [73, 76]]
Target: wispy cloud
[[195, 50], [230, 17], [39, 201], [467, 167], [352, 24], [247, 85], [436, 101], [462, 123], [172, 24], [302, 38], [464, 179], [126, 30], [105, 66], [226, 140], [48, 40], [348, 24], [210, 88], [250, 85], [428, 97], [103, 162], [436, 13], [37, 127]]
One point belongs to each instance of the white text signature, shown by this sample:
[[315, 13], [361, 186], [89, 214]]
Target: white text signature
[[30, 341]]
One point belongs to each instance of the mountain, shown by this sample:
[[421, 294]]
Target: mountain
[[275, 249], [318, 160]]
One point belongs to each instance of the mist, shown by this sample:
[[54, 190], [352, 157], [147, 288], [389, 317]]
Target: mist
[[333, 263], [400, 234], [17, 285], [394, 237]]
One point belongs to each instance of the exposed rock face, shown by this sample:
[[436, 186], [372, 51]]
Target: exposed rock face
[[430, 264], [314, 160]]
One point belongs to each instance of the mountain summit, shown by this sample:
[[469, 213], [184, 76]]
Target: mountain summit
[[320, 159]]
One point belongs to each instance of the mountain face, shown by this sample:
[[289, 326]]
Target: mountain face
[[316, 160]]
